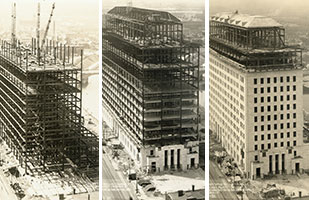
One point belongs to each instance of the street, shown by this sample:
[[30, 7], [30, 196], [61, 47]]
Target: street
[[219, 188], [114, 184]]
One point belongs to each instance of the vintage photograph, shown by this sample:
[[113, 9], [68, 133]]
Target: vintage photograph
[[49, 100], [153, 111], [258, 112]]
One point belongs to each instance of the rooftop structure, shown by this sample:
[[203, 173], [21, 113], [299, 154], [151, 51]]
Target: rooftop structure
[[150, 85]]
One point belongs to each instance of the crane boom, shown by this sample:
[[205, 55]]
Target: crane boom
[[13, 31], [48, 24]]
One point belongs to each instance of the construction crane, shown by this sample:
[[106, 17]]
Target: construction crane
[[13, 31], [47, 27], [38, 31]]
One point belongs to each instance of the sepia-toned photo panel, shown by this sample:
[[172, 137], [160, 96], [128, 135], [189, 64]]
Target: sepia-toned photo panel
[[153, 100], [49, 99], [258, 112]]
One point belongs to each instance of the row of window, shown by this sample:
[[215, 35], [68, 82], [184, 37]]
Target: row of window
[[275, 145], [256, 158], [275, 79], [275, 108], [275, 89], [275, 136], [275, 117], [275, 98], [275, 126]]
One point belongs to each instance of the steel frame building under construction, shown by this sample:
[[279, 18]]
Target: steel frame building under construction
[[151, 87], [40, 107]]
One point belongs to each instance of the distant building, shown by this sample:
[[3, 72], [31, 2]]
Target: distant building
[[150, 88], [256, 85]]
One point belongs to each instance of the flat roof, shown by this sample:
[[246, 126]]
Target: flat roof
[[245, 20]]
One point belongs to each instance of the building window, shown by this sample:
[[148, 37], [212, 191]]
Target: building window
[[295, 153], [268, 127], [290, 151], [288, 143], [262, 80], [275, 79], [294, 106], [255, 128], [275, 126], [151, 152], [262, 99], [294, 143], [268, 118], [294, 115], [294, 134], [268, 89], [255, 138], [275, 117], [268, 136], [262, 128], [275, 98], [294, 124], [256, 158], [262, 90], [275, 135], [281, 79], [262, 108], [281, 144], [262, 146], [288, 134], [281, 88], [281, 107], [268, 108], [287, 125], [281, 135], [262, 137], [275, 144], [288, 97], [268, 146], [255, 99], [281, 98], [268, 80], [255, 90], [294, 87], [255, 81], [294, 96], [255, 109], [288, 115], [281, 126], [262, 118], [275, 89], [255, 119], [287, 79], [288, 106], [281, 116], [256, 147], [288, 88], [294, 78], [275, 107], [268, 99], [264, 154]]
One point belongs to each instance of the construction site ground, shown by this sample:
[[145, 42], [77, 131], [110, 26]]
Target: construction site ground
[[163, 182], [48, 185], [292, 184]]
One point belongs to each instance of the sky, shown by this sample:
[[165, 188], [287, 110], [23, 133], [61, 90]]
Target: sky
[[288, 8], [84, 11]]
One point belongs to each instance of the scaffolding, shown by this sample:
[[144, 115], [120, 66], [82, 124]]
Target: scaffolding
[[255, 42], [150, 76], [40, 107]]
